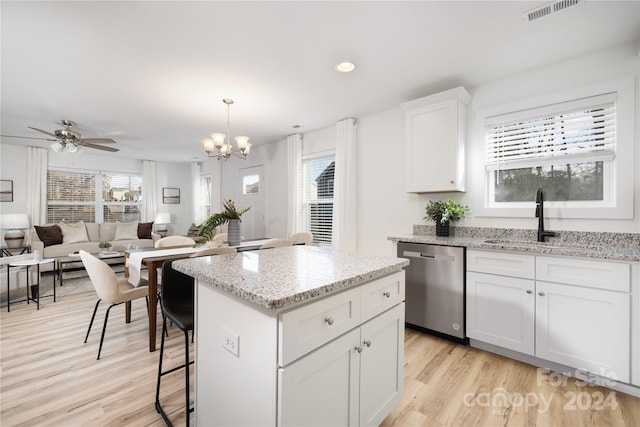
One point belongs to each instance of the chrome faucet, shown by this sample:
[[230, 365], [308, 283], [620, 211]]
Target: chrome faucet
[[540, 215]]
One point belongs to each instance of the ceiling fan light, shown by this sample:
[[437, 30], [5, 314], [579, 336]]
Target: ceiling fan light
[[70, 148], [242, 142], [57, 147], [247, 149]]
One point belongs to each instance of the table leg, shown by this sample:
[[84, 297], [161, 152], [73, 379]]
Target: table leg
[[8, 289], [153, 301], [127, 312]]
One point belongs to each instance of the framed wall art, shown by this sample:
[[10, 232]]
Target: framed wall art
[[6, 190], [171, 196]]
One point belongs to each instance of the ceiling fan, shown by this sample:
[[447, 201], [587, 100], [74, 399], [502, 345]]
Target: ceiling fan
[[68, 139]]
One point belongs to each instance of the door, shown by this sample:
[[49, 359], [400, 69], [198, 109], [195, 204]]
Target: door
[[325, 378], [381, 363], [585, 328], [500, 311], [253, 193]]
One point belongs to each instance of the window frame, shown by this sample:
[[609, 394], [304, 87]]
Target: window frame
[[619, 197], [98, 203], [303, 203]]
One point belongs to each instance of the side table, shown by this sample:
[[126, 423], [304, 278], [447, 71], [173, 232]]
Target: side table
[[30, 263]]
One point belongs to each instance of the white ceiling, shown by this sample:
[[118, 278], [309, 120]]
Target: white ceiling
[[152, 75]]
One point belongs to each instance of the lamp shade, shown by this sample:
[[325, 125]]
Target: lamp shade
[[163, 218], [15, 221]]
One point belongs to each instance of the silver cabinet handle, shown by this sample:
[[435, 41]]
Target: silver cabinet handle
[[329, 321], [387, 294], [541, 293], [359, 349], [367, 343], [529, 291]]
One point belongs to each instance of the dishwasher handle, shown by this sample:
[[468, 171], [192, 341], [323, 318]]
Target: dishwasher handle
[[414, 254]]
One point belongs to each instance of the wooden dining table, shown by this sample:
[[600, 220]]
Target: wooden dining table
[[153, 263]]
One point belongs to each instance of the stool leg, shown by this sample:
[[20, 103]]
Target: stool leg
[[186, 374], [160, 374]]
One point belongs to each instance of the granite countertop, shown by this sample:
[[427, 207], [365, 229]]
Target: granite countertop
[[280, 277], [612, 250]]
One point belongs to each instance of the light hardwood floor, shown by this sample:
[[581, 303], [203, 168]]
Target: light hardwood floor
[[50, 377]]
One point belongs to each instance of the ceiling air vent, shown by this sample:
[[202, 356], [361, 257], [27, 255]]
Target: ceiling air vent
[[549, 9]]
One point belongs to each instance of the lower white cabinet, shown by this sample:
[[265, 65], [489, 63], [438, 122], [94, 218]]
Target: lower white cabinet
[[586, 327], [501, 311], [357, 375]]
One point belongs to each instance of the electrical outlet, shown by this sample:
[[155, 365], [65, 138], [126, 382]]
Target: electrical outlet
[[231, 342]]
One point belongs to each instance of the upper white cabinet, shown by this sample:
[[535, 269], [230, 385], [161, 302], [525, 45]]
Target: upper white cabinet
[[435, 141]]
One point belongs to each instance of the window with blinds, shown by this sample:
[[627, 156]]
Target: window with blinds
[[564, 148], [93, 196], [317, 197]]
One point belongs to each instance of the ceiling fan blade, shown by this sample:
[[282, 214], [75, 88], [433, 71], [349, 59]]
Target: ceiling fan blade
[[27, 137], [97, 147], [43, 131], [99, 140]]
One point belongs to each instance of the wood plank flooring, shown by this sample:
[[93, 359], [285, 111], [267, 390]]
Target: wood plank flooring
[[49, 377]]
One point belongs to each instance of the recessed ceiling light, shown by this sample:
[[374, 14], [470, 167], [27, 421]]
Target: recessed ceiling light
[[346, 67]]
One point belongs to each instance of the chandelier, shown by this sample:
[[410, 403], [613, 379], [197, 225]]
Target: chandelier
[[216, 147]]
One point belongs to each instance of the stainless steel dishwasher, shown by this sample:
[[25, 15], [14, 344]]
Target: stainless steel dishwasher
[[435, 288]]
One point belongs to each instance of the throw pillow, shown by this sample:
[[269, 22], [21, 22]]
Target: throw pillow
[[126, 231], [51, 235], [74, 233], [193, 230], [144, 230]]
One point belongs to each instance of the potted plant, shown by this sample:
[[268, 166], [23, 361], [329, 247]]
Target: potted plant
[[105, 246], [444, 212], [230, 215]]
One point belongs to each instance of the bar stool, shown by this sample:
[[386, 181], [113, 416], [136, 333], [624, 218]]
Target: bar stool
[[177, 305]]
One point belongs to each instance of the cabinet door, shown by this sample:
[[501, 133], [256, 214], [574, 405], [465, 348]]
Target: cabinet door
[[432, 150], [500, 311], [381, 365], [321, 389], [584, 328]]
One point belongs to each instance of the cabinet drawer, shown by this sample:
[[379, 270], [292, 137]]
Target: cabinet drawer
[[606, 275], [503, 264], [308, 327], [381, 294]]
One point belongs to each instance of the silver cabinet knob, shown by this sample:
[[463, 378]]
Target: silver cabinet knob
[[329, 321], [359, 349], [387, 294], [529, 291], [541, 293], [367, 343]]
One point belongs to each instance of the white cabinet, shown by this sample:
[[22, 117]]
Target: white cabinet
[[500, 311], [578, 315], [435, 142], [358, 375]]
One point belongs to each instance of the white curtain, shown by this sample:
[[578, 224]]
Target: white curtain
[[150, 182], [37, 162], [196, 204], [344, 187], [294, 162]]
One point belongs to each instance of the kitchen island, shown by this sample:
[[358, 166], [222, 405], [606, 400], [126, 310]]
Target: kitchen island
[[300, 335]]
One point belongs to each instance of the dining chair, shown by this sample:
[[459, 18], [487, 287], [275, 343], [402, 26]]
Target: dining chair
[[109, 288], [177, 305], [213, 251], [276, 243], [302, 238], [170, 241]]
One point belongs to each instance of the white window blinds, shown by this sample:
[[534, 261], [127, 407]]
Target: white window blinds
[[317, 197], [582, 129]]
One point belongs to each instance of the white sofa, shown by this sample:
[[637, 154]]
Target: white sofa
[[96, 233]]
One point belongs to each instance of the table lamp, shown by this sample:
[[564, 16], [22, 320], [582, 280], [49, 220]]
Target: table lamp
[[161, 221], [14, 223]]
